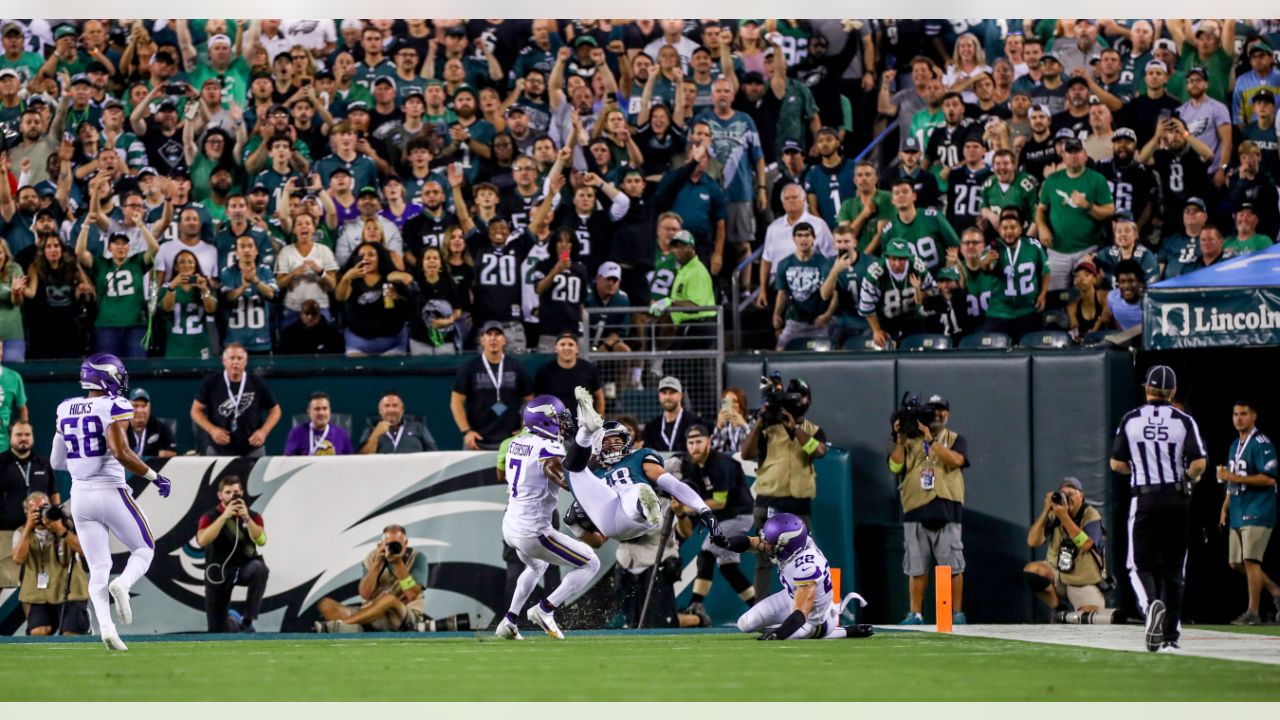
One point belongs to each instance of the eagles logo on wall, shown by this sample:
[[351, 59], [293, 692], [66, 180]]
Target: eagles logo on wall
[[322, 516]]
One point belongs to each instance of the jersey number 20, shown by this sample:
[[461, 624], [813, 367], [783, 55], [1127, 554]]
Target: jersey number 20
[[84, 436]]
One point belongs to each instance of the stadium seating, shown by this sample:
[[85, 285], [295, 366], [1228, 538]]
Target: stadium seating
[[1045, 340], [810, 344], [926, 342], [986, 341]]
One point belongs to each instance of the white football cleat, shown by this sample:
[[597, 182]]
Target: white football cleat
[[121, 595], [587, 416], [507, 630], [649, 507], [112, 640], [546, 621]]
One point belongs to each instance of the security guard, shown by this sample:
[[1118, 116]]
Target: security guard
[[1153, 444]]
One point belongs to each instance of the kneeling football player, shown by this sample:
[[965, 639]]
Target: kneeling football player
[[805, 608]]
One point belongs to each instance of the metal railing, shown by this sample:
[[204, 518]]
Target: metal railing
[[691, 350]]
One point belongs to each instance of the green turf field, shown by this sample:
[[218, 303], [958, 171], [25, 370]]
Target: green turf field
[[890, 666], [1247, 629]]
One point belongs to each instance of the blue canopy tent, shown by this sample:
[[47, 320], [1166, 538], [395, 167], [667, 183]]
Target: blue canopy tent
[[1234, 303]]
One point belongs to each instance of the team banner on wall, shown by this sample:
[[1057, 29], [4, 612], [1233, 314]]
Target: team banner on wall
[[1211, 318], [322, 516]]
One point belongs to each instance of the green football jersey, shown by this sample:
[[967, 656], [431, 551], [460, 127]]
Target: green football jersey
[[1020, 194], [892, 298], [121, 300], [802, 279], [929, 235], [188, 337], [1249, 504], [1022, 267], [980, 284], [851, 207], [1073, 229], [662, 276], [630, 469], [249, 316]]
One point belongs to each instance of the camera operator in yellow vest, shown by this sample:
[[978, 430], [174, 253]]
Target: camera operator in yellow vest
[[1073, 569], [928, 459], [47, 550], [784, 445]]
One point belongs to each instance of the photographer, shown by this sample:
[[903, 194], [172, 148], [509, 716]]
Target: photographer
[[719, 480], [231, 536], [1073, 568], [22, 472], [928, 459], [784, 445], [45, 549], [394, 579]]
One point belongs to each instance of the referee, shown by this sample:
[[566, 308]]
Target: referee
[[1153, 444]]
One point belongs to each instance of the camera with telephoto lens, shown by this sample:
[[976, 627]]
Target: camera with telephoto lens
[[395, 547], [52, 513], [910, 415], [776, 397], [1057, 498]]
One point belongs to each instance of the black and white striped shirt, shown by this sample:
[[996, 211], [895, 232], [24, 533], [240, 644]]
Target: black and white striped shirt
[[1158, 441]]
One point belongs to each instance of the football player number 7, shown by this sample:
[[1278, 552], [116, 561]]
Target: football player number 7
[[513, 467], [92, 432]]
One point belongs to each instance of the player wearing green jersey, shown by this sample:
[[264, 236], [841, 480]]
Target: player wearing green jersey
[[1009, 187], [189, 301], [841, 283], [891, 291], [1015, 305], [978, 282], [926, 231], [119, 281], [249, 289], [800, 311], [1249, 509], [867, 208], [1074, 204]]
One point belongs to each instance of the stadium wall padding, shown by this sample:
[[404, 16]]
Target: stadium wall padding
[[1030, 418], [321, 523]]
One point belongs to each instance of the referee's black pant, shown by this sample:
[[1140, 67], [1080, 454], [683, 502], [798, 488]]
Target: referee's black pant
[[1158, 527]]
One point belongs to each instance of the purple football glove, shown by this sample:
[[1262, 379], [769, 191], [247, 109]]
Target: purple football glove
[[163, 484]]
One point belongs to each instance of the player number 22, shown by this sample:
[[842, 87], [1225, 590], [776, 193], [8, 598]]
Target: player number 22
[[92, 432]]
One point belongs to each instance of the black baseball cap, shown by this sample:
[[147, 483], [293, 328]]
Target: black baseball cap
[[455, 31], [1161, 377], [1072, 145], [697, 430], [1198, 70], [1077, 80], [368, 190], [937, 401], [753, 77], [1263, 95]]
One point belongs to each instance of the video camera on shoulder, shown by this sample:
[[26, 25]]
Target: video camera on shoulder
[[910, 415], [794, 397]]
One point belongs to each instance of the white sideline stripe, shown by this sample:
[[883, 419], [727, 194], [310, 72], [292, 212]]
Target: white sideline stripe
[[1129, 638]]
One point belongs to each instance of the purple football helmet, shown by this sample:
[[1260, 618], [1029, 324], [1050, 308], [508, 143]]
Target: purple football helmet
[[543, 414], [104, 372], [786, 535]]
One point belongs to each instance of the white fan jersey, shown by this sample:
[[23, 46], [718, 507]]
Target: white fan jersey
[[809, 565], [531, 496], [82, 431]]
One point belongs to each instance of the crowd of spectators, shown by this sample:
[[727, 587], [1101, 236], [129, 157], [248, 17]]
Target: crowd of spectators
[[384, 187]]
